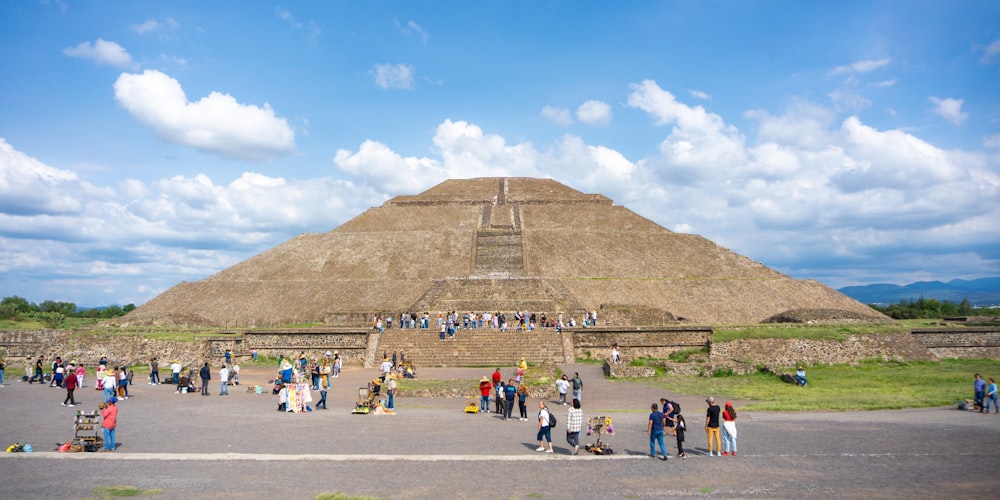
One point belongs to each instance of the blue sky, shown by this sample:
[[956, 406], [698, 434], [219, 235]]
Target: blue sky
[[146, 143]]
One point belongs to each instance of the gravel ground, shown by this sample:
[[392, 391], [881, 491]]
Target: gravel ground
[[198, 447]]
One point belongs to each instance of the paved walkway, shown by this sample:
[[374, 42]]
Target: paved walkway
[[198, 447]]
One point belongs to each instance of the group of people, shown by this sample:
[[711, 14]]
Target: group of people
[[985, 394], [669, 420], [449, 323]]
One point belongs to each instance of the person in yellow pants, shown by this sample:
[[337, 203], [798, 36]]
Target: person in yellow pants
[[712, 427]]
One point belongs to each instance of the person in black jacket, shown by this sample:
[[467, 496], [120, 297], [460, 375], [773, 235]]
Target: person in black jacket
[[206, 375]]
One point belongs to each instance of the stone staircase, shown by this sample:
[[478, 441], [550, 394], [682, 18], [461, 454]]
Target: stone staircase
[[475, 346], [535, 295], [499, 253]]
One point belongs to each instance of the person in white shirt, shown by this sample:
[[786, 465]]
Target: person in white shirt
[[175, 370], [224, 378]]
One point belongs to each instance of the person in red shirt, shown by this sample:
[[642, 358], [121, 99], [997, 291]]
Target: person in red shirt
[[485, 389], [70, 383], [497, 377], [109, 421]]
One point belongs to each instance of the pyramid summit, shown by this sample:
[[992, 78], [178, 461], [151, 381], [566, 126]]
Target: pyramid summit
[[498, 244]]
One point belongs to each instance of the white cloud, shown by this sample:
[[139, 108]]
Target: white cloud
[[594, 113], [216, 123], [311, 28], [697, 94], [849, 100], [991, 51], [412, 28], [864, 66], [101, 52], [700, 145], [949, 109], [883, 83], [394, 76], [558, 116], [147, 27]]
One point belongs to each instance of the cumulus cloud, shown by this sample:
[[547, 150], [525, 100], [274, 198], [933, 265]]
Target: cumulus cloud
[[701, 145], [216, 124], [393, 76], [101, 52], [864, 66], [558, 116], [949, 109], [125, 243], [594, 113]]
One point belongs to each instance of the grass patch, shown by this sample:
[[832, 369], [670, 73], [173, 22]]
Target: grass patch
[[341, 496], [871, 385], [106, 492], [684, 355], [797, 331]]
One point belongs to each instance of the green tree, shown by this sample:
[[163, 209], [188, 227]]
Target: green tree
[[128, 308], [111, 312], [20, 305], [66, 308], [965, 309]]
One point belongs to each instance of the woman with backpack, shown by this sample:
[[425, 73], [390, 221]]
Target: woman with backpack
[[544, 428], [729, 429]]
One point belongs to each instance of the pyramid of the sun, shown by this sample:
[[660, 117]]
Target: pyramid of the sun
[[498, 244]]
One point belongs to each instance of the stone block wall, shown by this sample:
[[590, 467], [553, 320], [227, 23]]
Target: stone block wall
[[635, 343], [784, 353]]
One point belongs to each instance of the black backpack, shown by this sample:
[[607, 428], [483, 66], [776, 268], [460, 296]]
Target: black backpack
[[552, 419], [676, 408]]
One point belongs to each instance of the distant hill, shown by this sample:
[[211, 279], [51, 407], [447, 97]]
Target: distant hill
[[980, 292]]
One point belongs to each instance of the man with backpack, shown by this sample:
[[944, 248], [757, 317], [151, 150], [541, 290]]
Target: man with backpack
[[545, 423]]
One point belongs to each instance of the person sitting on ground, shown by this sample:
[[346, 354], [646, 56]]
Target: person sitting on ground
[[800, 377]]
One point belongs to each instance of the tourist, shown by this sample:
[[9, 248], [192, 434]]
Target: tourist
[[123, 382], [991, 397], [442, 326], [70, 383], [577, 386], [729, 429], [229, 356], [544, 431], [679, 428], [39, 372], [509, 394], [321, 405], [562, 385], [390, 391], [175, 371], [325, 369], [81, 373], [99, 377], [154, 371], [712, 426], [800, 377], [337, 363], [574, 424], [522, 400], [497, 377], [224, 380], [315, 372], [3, 366], [385, 368], [485, 388], [654, 428], [499, 394], [616, 356], [254, 355], [980, 388], [206, 375], [58, 373], [236, 372], [110, 384], [109, 422]]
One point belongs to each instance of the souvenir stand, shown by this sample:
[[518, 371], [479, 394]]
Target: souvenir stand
[[88, 434], [299, 398], [598, 425]]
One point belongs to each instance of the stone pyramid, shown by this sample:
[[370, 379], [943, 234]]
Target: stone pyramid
[[498, 244]]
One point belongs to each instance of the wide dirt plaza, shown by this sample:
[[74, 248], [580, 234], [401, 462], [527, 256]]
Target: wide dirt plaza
[[239, 446]]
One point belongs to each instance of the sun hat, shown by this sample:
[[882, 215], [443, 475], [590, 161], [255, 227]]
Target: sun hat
[[710, 399]]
